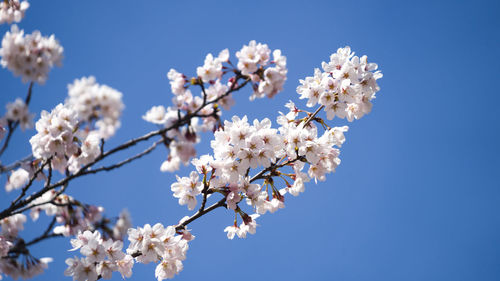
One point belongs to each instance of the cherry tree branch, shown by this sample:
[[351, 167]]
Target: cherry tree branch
[[200, 213], [32, 179], [46, 234], [186, 119], [126, 161], [260, 175]]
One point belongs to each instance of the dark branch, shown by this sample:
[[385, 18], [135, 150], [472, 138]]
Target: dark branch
[[46, 234]]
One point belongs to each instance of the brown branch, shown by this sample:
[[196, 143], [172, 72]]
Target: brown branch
[[46, 234], [119, 164], [200, 213], [32, 179], [313, 115]]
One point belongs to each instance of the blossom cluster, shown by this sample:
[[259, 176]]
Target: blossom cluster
[[72, 215], [348, 83], [17, 114], [102, 257], [17, 269], [147, 244], [8, 241], [157, 243], [239, 147], [303, 147], [12, 10], [17, 111], [21, 176], [248, 226], [253, 59], [70, 135], [17, 179], [75, 219], [346, 86], [30, 56], [12, 225], [56, 136], [254, 66], [94, 102], [122, 225]]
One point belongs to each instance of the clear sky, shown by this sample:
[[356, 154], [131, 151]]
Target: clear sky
[[417, 194]]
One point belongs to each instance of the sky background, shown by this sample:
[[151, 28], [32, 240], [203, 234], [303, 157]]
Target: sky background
[[417, 194]]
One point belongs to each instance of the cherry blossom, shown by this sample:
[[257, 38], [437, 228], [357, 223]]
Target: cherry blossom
[[30, 56], [12, 10], [17, 111], [252, 167], [345, 88], [95, 104], [17, 179]]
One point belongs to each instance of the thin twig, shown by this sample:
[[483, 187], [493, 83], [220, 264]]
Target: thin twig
[[119, 164], [46, 234], [18, 163], [200, 213], [313, 115], [32, 179], [49, 177]]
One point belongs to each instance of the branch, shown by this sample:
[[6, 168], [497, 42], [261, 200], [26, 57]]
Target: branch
[[313, 115], [15, 165], [200, 213], [84, 170], [46, 234], [32, 179], [119, 164]]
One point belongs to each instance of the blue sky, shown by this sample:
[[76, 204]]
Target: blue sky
[[417, 194]]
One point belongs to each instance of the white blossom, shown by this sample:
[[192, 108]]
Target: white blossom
[[251, 55], [211, 70], [30, 56], [121, 226], [102, 258], [17, 111], [186, 189], [55, 136], [177, 81], [17, 179], [5, 245], [12, 11], [274, 78], [98, 105], [345, 88], [12, 225], [156, 115]]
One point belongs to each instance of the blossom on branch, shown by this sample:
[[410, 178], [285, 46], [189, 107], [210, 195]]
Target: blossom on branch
[[252, 163], [203, 112], [17, 111], [345, 88], [95, 104], [30, 56], [56, 136], [17, 179]]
